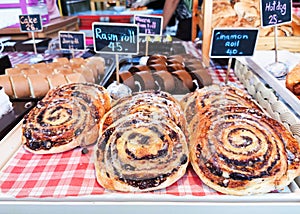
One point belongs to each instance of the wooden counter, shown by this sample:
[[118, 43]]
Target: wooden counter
[[66, 23]]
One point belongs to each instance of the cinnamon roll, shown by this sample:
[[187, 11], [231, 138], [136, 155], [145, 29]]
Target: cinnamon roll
[[241, 151], [139, 153], [215, 96], [65, 118], [158, 104]]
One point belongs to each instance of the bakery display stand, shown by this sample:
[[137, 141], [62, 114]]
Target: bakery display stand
[[65, 23]]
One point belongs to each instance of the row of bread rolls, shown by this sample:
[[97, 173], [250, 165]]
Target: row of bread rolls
[[235, 148], [142, 146], [246, 13], [35, 80], [174, 74]]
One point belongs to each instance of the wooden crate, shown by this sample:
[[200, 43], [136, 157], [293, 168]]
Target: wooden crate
[[291, 43]]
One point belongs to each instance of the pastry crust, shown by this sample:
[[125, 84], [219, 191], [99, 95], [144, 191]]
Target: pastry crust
[[67, 117], [241, 151], [141, 147]]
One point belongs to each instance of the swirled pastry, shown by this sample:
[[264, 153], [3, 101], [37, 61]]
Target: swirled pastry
[[143, 146], [159, 104], [67, 117], [241, 151], [139, 153], [214, 96]]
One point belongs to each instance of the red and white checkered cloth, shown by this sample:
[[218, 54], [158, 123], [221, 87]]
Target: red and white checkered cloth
[[72, 174]]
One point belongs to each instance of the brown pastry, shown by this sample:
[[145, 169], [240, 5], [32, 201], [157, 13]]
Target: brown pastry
[[241, 151], [183, 80], [20, 86], [6, 84], [56, 80], [175, 67], [156, 61], [39, 65], [144, 80], [22, 66], [127, 78], [62, 60], [30, 71], [87, 73], [12, 71], [201, 77], [158, 67], [75, 78], [137, 68], [141, 148], [292, 80], [164, 81], [67, 117], [39, 85]]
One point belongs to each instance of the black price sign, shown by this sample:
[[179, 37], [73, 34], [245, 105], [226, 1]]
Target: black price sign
[[149, 24], [30, 23], [72, 40], [275, 12], [233, 42], [114, 39]]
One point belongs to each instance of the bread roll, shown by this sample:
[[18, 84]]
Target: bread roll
[[12, 71], [20, 86], [6, 84], [75, 78], [292, 80], [56, 80], [39, 85]]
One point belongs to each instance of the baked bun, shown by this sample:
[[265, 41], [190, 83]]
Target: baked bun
[[241, 151], [20, 86], [235, 148], [292, 80], [6, 84], [65, 118], [141, 148]]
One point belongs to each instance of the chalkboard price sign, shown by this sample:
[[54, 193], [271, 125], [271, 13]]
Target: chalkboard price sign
[[115, 38], [149, 24], [229, 42], [30, 23], [71, 40], [275, 12]]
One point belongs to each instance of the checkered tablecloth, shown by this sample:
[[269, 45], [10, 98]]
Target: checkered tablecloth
[[72, 173]]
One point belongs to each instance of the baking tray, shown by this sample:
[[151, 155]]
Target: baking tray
[[11, 119], [258, 63]]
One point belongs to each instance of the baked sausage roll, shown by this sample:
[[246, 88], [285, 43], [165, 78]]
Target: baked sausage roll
[[138, 153], [65, 118], [241, 151]]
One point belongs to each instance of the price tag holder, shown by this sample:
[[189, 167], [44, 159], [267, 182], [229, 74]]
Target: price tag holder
[[149, 25], [275, 12], [233, 42], [30, 23], [230, 42], [115, 38], [71, 40]]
